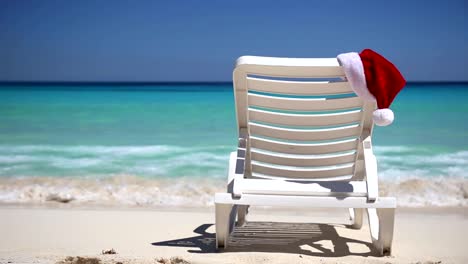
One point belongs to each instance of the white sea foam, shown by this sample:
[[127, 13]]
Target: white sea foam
[[417, 191], [116, 190], [417, 177], [390, 149], [148, 161], [457, 158], [186, 191], [114, 150]]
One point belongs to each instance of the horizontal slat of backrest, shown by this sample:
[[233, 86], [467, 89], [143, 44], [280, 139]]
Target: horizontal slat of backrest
[[302, 172], [298, 88], [302, 160], [302, 104], [305, 119], [302, 148], [297, 72], [303, 134], [289, 67]]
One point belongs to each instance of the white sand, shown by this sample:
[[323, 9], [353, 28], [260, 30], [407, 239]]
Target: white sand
[[48, 235]]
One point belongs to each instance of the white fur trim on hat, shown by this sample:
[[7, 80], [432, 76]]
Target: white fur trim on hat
[[383, 117], [354, 70]]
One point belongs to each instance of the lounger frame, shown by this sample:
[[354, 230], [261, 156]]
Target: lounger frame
[[304, 141]]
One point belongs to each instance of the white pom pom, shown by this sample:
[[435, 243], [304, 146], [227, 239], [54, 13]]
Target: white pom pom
[[383, 117]]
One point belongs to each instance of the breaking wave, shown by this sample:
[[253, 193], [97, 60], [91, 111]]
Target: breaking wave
[[101, 161], [189, 176], [190, 191]]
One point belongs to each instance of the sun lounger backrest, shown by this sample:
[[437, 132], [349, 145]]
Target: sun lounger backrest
[[302, 119]]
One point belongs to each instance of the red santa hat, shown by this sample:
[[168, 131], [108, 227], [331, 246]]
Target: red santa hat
[[373, 78]]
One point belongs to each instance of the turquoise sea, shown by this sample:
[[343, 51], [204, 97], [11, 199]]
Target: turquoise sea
[[169, 143]]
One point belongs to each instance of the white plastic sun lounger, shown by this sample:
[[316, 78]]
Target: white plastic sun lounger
[[304, 141]]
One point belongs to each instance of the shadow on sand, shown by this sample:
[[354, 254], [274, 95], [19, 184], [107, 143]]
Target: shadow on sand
[[296, 238]]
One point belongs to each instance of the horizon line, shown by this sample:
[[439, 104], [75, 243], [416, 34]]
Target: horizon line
[[142, 83]]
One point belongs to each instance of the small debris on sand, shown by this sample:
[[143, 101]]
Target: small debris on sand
[[79, 260], [108, 252], [173, 260], [61, 198]]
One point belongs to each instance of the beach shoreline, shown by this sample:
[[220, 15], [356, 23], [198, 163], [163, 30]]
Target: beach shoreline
[[51, 233], [134, 191], [52, 205]]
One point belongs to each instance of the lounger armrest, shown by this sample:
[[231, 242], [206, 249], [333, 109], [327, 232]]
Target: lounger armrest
[[237, 165], [371, 170]]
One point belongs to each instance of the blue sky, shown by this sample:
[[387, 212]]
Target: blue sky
[[200, 40]]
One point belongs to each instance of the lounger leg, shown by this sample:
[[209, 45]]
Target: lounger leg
[[225, 217], [242, 212], [381, 222], [356, 216]]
